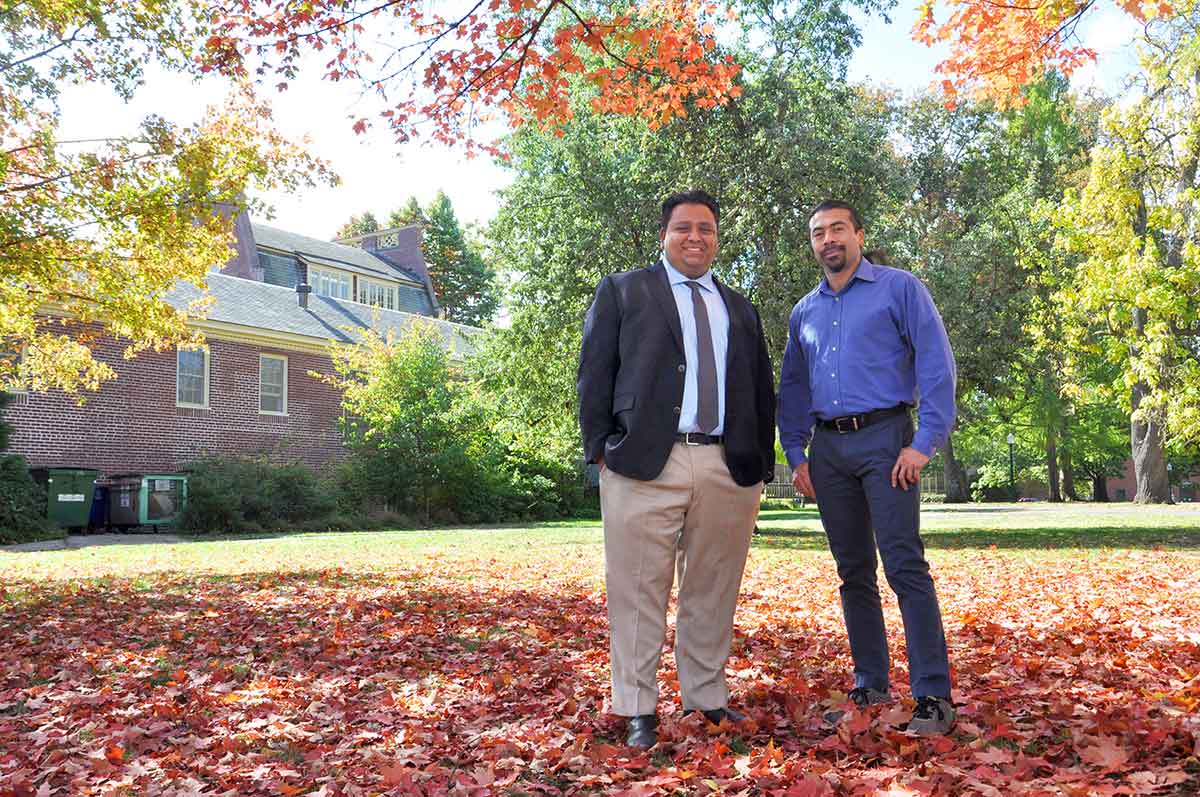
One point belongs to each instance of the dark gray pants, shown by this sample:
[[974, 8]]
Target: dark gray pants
[[852, 475]]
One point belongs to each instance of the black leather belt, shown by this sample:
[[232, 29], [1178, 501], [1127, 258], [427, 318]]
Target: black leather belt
[[852, 423], [699, 439]]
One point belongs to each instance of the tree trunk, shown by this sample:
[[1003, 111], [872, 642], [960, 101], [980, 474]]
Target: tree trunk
[[1100, 489], [956, 474], [1149, 456], [1052, 465], [1068, 468]]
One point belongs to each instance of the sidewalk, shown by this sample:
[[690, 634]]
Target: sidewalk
[[75, 541]]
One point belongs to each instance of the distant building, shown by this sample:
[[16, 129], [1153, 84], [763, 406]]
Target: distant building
[[279, 303]]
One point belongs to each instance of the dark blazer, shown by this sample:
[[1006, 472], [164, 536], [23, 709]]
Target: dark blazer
[[631, 374]]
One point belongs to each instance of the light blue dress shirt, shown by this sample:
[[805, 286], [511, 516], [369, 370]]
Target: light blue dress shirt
[[875, 344], [718, 323]]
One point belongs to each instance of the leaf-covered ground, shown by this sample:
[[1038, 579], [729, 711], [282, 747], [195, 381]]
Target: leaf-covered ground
[[474, 662]]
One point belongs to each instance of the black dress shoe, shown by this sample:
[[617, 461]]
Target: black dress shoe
[[642, 731], [715, 715]]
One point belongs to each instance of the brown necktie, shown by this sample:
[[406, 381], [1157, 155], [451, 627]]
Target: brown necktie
[[706, 400]]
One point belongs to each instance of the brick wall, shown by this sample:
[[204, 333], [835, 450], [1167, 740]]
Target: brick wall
[[133, 425]]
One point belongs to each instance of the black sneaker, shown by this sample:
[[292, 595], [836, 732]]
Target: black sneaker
[[934, 716], [862, 697]]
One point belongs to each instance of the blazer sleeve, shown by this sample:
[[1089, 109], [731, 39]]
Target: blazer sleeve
[[599, 359], [765, 402]]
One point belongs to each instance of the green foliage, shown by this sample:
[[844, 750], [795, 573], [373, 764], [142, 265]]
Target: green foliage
[[428, 441], [5, 427], [410, 213], [244, 494], [586, 204], [22, 503], [1133, 300], [358, 225], [465, 285]]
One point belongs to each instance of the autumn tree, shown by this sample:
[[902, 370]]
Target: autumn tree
[[100, 230], [999, 48], [1133, 299], [445, 75]]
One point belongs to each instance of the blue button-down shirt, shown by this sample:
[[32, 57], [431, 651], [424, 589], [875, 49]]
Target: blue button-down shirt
[[718, 325], [877, 343]]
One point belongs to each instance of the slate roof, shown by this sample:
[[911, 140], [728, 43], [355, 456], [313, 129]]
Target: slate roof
[[328, 253], [259, 305]]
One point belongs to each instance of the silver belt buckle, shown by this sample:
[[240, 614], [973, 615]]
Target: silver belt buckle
[[687, 439]]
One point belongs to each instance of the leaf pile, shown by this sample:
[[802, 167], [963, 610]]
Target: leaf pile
[[476, 677]]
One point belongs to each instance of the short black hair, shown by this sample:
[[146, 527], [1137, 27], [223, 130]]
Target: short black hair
[[837, 204], [693, 197]]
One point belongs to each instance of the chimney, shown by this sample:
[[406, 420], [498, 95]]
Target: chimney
[[303, 289]]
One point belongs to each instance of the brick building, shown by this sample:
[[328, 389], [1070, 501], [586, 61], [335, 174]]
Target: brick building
[[250, 389], [1124, 487]]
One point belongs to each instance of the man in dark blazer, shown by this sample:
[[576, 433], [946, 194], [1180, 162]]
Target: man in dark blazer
[[677, 407]]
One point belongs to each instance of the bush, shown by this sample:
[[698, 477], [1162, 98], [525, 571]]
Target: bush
[[22, 504], [243, 494], [436, 446]]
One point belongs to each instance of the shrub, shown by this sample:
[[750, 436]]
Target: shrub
[[244, 494], [431, 444], [22, 504]]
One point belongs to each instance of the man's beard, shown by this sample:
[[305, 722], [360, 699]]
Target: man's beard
[[835, 265]]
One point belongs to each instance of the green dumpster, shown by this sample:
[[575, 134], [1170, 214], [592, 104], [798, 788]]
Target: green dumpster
[[69, 493], [146, 499]]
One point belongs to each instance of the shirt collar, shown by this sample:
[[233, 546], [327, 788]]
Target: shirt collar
[[865, 272], [676, 277]]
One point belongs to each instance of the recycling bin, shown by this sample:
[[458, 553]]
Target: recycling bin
[[145, 499]]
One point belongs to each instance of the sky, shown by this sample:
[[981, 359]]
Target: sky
[[379, 175]]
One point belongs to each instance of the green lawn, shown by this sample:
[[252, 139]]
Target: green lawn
[[1054, 530]]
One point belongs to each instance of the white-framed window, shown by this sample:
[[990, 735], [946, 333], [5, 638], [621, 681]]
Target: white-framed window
[[327, 282], [380, 294], [272, 384], [191, 377]]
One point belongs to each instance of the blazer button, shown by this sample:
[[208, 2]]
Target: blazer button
[[682, 368], [677, 410]]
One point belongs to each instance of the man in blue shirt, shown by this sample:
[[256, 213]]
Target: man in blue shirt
[[863, 348]]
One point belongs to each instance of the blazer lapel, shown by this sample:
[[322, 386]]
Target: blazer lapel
[[661, 288]]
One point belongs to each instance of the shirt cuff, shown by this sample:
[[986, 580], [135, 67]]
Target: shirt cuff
[[795, 457], [922, 444]]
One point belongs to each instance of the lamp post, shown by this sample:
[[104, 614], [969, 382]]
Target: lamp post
[[1012, 470]]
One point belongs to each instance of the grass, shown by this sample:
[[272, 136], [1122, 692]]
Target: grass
[[1025, 529]]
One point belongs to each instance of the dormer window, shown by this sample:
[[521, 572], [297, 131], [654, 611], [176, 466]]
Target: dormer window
[[327, 282], [379, 294]]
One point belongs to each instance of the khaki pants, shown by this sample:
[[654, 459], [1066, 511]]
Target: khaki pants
[[695, 516]]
